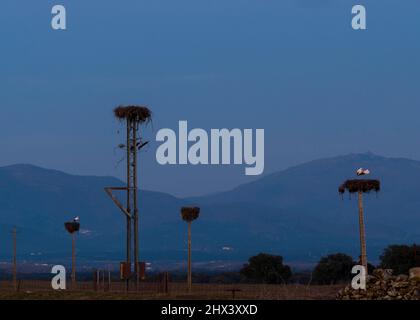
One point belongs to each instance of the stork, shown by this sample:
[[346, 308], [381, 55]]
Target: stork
[[362, 172]]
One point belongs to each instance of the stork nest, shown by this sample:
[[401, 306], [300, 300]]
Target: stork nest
[[136, 113], [72, 227], [190, 213], [363, 185]]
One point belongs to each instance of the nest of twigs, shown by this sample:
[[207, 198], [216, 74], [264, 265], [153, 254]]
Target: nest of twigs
[[190, 213], [72, 227], [136, 113], [363, 185]]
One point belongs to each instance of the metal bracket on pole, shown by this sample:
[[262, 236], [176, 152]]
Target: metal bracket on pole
[[109, 190]]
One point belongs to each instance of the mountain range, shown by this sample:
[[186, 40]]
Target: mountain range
[[297, 213]]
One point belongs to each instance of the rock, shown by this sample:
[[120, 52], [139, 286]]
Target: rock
[[402, 277], [401, 284], [414, 273], [392, 293], [382, 285]]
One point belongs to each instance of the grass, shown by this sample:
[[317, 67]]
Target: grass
[[149, 291]]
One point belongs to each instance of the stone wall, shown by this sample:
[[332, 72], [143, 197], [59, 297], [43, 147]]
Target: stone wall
[[382, 285]]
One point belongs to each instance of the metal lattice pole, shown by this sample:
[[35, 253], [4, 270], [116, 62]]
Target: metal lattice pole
[[128, 205], [135, 206], [134, 116], [132, 205]]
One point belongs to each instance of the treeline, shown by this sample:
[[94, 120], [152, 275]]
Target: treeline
[[337, 267], [270, 269], [331, 269]]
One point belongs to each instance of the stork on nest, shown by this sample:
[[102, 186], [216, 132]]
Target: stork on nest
[[363, 185], [72, 226], [362, 172]]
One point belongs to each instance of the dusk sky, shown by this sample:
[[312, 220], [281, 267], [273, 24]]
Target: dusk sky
[[295, 68]]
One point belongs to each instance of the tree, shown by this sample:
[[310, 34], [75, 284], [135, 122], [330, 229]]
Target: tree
[[333, 268], [401, 258], [266, 268]]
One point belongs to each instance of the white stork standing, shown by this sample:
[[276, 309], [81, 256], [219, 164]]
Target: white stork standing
[[362, 172]]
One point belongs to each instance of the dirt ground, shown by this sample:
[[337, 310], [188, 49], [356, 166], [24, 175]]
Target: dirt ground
[[176, 291]]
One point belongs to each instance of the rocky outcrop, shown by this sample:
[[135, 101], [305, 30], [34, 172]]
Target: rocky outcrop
[[382, 285]]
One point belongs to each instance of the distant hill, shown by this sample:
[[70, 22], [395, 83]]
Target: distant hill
[[296, 212], [38, 201]]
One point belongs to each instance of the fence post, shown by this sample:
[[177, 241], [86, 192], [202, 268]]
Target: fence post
[[109, 280]]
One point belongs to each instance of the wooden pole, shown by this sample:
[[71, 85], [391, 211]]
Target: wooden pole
[[362, 233], [73, 260], [189, 257], [109, 280], [166, 285], [14, 261], [96, 280], [103, 280]]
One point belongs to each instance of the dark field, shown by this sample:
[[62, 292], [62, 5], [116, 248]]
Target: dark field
[[34, 290]]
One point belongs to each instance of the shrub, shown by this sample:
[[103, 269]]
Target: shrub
[[333, 268], [266, 268], [400, 258]]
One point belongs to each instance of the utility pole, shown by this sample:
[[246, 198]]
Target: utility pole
[[128, 204], [73, 260], [133, 116], [361, 186], [189, 257], [135, 129], [73, 227], [189, 214], [362, 232], [14, 260]]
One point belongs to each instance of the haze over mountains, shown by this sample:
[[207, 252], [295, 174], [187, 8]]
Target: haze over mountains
[[297, 213]]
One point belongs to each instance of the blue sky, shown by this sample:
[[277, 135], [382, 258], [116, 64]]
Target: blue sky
[[294, 68]]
